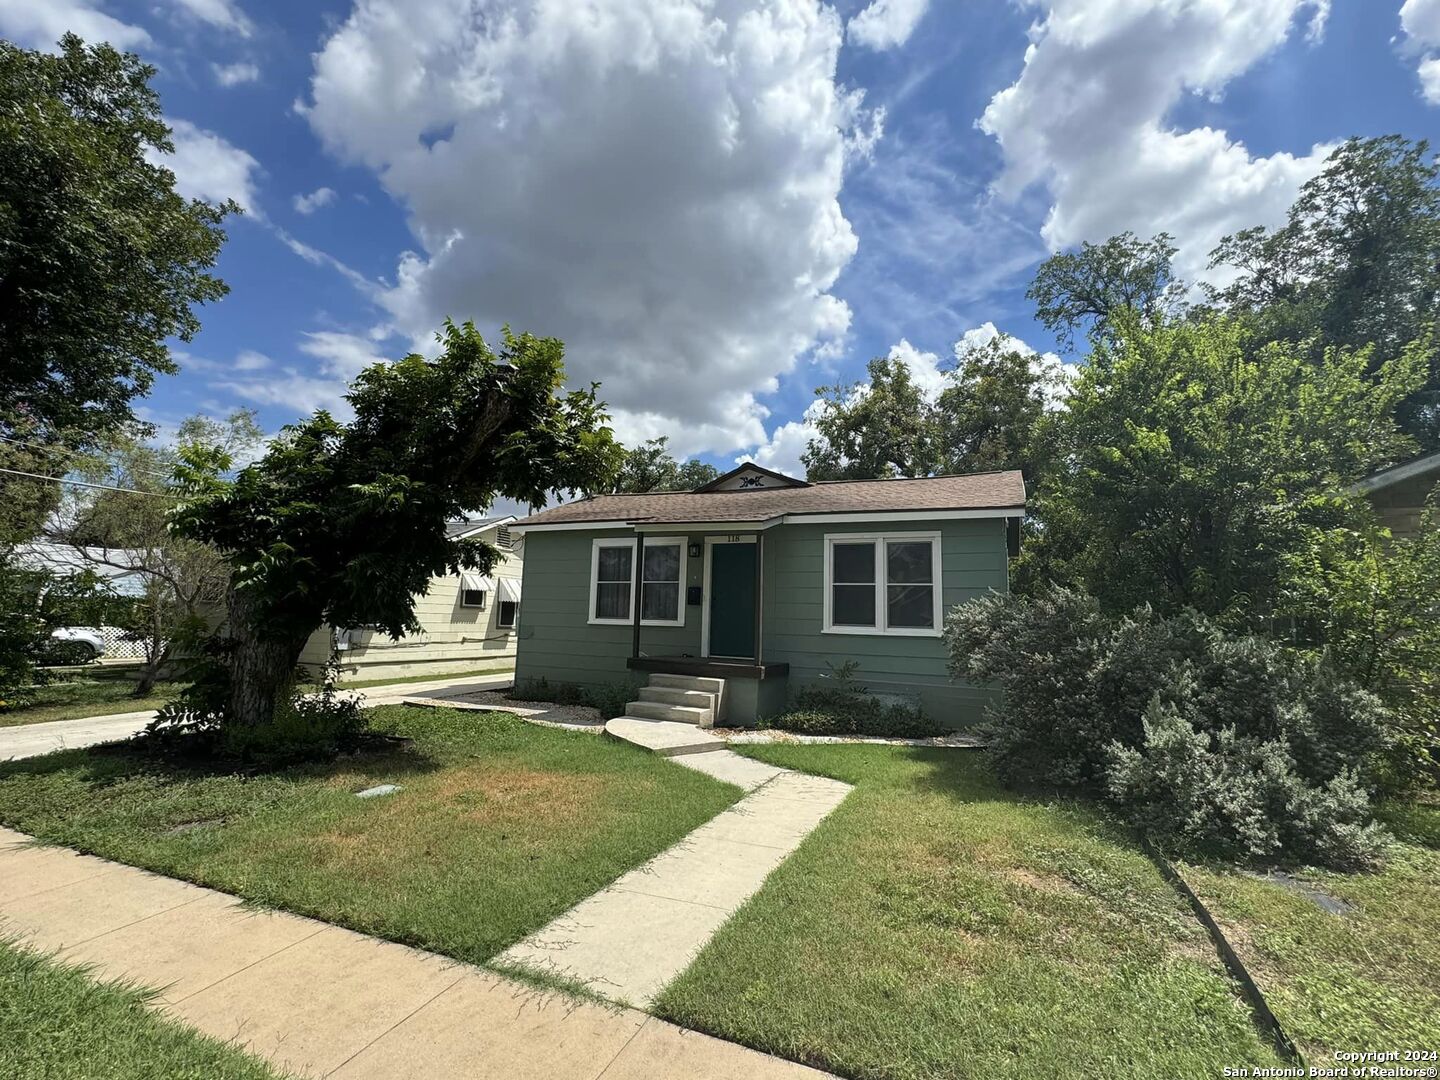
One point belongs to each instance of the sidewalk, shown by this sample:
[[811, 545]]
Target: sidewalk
[[32, 740], [321, 1001]]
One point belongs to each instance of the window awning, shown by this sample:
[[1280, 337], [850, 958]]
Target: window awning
[[477, 582], [509, 589]]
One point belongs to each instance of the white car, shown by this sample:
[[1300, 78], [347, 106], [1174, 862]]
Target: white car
[[84, 637]]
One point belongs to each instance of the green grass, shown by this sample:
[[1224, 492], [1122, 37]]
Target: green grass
[[500, 826], [77, 698], [58, 1022], [937, 926], [1365, 980]]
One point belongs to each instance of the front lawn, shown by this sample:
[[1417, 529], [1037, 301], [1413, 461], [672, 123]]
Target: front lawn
[[936, 925], [58, 1022], [76, 698], [1364, 979], [499, 827]]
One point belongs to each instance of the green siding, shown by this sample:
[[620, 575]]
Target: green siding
[[556, 642]]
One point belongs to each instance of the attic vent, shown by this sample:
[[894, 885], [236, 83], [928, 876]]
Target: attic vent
[[502, 538]]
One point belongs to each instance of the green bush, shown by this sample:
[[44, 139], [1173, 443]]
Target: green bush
[[1211, 742], [842, 707], [609, 699]]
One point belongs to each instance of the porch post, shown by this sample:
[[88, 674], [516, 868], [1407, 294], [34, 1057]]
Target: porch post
[[759, 593], [639, 569]]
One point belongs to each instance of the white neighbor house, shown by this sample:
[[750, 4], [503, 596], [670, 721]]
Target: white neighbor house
[[468, 621]]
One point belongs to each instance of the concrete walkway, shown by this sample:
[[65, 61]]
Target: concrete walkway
[[32, 740], [320, 1001], [632, 938]]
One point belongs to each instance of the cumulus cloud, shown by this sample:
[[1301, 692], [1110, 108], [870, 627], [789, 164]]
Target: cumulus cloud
[[653, 181], [39, 25], [308, 204], [1087, 118], [886, 23], [1058, 374], [208, 167], [235, 74], [250, 360], [1420, 19], [220, 14]]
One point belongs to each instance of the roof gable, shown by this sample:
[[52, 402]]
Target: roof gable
[[749, 477]]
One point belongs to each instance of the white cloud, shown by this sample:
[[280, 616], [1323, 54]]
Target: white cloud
[[1420, 20], [1087, 118], [250, 360], [308, 204], [209, 168], [652, 181], [341, 355], [221, 14], [886, 23], [294, 391], [241, 71], [39, 24]]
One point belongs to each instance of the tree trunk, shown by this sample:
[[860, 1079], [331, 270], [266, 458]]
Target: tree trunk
[[262, 666], [150, 670]]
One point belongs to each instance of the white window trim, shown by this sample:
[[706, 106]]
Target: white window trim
[[635, 568], [881, 569], [504, 625], [484, 598]]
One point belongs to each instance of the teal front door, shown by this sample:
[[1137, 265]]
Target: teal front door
[[732, 600]]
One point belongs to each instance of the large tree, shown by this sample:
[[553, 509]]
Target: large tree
[[345, 523], [1086, 291], [992, 414], [884, 428], [649, 467], [100, 259], [1193, 467], [1356, 264]]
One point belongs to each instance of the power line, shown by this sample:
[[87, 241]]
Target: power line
[[61, 452], [83, 484]]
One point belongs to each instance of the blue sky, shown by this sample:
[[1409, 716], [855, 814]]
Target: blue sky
[[718, 204]]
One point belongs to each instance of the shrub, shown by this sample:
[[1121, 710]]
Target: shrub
[[842, 707], [1209, 741], [609, 699]]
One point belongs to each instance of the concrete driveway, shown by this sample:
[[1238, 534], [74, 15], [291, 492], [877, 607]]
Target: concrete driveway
[[32, 740]]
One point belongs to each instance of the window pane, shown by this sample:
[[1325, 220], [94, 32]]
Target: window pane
[[911, 606], [662, 562], [853, 562], [472, 598], [660, 600], [614, 564], [852, 605], [612, 600], [506, 615], [909, 562]]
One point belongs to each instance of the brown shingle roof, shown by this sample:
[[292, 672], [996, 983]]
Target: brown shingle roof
[[974, 491]]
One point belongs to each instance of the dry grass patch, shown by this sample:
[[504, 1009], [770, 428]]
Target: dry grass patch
[[499, 825]]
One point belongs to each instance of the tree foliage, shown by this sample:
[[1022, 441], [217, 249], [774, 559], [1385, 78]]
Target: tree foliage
[[1356, 264], [345, 523], [649, 467], [869, 431], [1087, 290], [100, 259], [1192, 467]]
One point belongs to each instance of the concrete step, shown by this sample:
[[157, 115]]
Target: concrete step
[[669, 695], [681, 714], [687, 682], [664, 737]]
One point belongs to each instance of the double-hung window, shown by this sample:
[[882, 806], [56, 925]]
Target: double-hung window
[[886, 584], [612, 581]]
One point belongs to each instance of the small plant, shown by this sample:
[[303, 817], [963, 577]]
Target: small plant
[[609, 699], [841, 706]]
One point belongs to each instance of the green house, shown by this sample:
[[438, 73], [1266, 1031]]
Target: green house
[[728, 598]]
